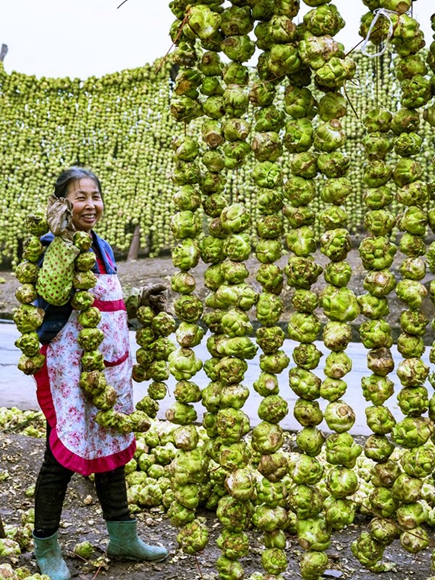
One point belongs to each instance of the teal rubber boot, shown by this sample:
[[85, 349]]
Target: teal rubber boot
[[125, 543], [49, 558]]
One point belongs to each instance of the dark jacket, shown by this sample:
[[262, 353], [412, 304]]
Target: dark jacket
[[57, 316]]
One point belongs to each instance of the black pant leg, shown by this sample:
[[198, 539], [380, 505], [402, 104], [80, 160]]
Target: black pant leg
[[50, 490], [112, 493]]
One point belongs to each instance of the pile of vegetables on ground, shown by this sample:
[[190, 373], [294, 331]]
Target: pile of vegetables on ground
[[310, 146]]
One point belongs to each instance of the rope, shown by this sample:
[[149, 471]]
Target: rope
[[378, 13]]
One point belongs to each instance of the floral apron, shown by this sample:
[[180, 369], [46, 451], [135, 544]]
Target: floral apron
[[76, 439]]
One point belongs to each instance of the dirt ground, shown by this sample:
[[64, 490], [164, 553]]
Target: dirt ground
[[20, 458]]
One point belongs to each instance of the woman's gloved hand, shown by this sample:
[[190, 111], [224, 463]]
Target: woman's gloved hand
[[154, 296], [59, 218]]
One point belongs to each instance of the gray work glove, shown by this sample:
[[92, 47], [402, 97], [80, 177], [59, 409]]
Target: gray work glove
[[59, 218], [154, 296]]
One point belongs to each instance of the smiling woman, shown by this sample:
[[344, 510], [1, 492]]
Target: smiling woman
[[83, 189]]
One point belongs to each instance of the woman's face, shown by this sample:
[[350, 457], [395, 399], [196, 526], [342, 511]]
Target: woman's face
[[87, 203]]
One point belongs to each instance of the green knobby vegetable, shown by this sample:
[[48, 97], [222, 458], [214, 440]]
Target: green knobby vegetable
[[378, 197], [305, 501], [186, 254], [378, 447], [413, 401], [28, 318], [412, 431], [337, 365], [324, 20], [274, 466], [27, 272], [380, 419], [299, 191], [339, 304], [89, 318], [377, 389], [377, 145], [304, 383], [310, 440], [301, 241], [341, 449], [183, 363], [212, 249], [333, 217], [377, 253], [269, 519], [299, 135], [232, 514], [266, 146], [28, 343], [379, 222], [305, 300], [342, 482], [379, 283], [407, 170], [307, 356], [202, 22], [90, 338], [268, 251], [270, 227], [367, 550], [270, 276], [29, 365], [303, 327], [338, 273], [329, 136], [339, 416], [274, 363], [193, 537], [307, 413], [376, 333], [305, 469], [336, 335], [304, 165], [373, 307], [267, 437], [335, 244], [187, 307], [376, 173], [340, 513], [298, 217], [332, 389], [26, 294], [314, 533], [299, 102], [270, 338], [273, 409], [269, 201]]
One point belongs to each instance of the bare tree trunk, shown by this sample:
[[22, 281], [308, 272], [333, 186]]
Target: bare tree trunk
[[133, 251], [3, 52], [2, 530]]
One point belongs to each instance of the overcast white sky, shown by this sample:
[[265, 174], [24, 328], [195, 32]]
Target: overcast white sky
[[80, 38]]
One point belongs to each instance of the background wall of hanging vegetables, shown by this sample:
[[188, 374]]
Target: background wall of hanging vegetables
[[317, 179]]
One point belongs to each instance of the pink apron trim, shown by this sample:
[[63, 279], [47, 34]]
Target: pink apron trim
[[43, 391], [87, 466], [114, 363], [109, 305]]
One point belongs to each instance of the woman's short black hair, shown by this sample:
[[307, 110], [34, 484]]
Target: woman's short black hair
[[71, 174]]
